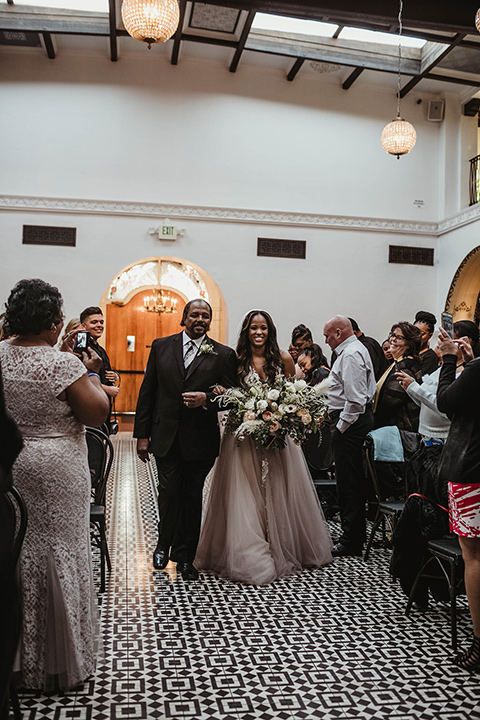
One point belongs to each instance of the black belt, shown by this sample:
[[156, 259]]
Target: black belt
[[335, 414]]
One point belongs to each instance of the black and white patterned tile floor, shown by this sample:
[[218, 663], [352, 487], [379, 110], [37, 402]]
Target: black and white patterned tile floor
[[333, 643]]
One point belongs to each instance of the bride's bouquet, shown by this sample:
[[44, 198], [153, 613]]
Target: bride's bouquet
[[268, 413]]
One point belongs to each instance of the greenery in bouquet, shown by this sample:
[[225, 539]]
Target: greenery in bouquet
[[268, 413]]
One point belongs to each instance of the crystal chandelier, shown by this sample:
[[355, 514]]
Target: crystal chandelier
[[399, 136], [160, 303], [150, 21], [477, 20]]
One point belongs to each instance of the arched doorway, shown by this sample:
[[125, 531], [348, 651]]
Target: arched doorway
[[464, 293], [131, 328]]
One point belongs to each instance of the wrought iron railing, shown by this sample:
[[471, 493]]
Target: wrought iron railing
[[475, 180]]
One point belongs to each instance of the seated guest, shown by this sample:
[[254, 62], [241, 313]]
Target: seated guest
[[51, 395], [301, 337], [392, 404], [374, 350], [460, 468], [425, 322], [314, 364], [386, 352]]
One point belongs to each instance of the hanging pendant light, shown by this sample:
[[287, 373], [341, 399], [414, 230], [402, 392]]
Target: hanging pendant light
[[399, 136], [477, 20], [150, 21]]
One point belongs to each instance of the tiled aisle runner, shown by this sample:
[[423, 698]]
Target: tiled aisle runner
[[332, 644]]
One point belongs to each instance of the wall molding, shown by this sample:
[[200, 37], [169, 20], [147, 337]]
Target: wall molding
[[159, 211]]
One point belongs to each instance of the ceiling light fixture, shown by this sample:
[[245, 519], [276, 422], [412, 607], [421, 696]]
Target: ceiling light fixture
[[477, 20], [150, 21], [399, 136]]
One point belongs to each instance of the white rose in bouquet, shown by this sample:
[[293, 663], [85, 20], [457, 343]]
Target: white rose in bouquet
[[250, 404], [262, 405], [299, 384], [273, 394]]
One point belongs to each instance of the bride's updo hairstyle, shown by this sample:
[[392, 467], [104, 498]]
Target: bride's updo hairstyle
[[273, 357], [33, 306]]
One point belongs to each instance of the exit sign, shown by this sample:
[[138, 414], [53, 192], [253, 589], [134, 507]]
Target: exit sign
[[169, 231]]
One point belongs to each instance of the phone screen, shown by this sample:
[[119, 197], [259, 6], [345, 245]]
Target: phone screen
[[447, 323], [81, 341]]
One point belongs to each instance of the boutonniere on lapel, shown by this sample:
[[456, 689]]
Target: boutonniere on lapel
[[206, 349]]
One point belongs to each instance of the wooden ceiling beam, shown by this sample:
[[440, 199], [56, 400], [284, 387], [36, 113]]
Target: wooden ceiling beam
[[47, 39], [112, 23], [243, 39], [177, 38], [428, 64], [352, 77], [295, 68]]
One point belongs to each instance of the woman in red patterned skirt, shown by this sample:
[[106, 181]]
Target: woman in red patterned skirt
[[460, 468]]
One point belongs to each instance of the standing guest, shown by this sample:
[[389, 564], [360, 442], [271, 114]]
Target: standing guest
[[387, 352], [425, 322], [301, 336], [392, 404], [51, 395], [460, 468], [92, 320], [373, 347], [177, 421], [73, 324], [351, 394], [294, 353], [313, 364]]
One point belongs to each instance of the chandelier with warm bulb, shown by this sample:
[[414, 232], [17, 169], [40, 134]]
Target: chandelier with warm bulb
[[150, 21], [399, 136], [160, 303]]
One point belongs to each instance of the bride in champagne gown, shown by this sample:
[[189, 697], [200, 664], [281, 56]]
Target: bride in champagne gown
[[263, 519]]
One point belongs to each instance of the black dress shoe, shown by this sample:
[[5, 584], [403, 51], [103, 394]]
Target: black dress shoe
[[160, 558], [187, 571], [341, 550]]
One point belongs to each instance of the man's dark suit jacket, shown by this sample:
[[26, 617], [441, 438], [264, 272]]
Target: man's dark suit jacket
[[161, 413]]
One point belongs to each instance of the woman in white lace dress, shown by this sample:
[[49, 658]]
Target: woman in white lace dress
[[50, 394]]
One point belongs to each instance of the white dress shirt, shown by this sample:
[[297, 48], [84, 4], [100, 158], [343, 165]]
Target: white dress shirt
[[352, 382], [196, 341]]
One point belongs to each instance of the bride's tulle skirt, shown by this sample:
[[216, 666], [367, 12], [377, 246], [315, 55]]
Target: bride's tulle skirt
[[263, 519]]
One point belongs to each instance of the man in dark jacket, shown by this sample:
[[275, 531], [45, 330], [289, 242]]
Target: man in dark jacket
[[176, 420]]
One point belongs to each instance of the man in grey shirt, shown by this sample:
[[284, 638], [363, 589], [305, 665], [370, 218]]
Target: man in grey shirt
[[351, 394]]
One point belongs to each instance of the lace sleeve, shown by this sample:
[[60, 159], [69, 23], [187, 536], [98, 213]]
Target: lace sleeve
[[66, 369]]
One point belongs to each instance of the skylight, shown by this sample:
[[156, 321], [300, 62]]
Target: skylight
[[87, 5], [351, 33], [278, 23]]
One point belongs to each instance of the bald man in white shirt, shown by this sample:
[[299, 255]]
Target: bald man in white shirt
[[351, 395]]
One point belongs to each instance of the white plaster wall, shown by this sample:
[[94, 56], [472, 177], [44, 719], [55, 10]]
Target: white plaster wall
[[143, 130], [453, 247], [346, 271]]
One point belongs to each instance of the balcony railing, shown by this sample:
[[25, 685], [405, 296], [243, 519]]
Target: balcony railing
[[475, 180]]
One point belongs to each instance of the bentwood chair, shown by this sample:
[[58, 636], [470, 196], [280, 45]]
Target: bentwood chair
[[444, 556], [319, 459], [388, 482], [100, 458]]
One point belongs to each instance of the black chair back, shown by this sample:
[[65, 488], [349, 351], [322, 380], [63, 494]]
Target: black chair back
[[100, 458]]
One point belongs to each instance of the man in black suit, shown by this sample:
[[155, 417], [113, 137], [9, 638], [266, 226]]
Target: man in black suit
[[176, 420]]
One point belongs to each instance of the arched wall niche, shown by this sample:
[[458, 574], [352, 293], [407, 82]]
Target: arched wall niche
[[464, 290], [166, 272]]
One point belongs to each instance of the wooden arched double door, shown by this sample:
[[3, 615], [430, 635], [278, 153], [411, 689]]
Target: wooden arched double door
[[130, 333]]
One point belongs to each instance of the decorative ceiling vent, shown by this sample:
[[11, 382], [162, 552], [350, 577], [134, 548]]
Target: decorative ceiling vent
[[20, 38], [46, 235], [270, 247], [324, 68], [405, 255], [213, 18]]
